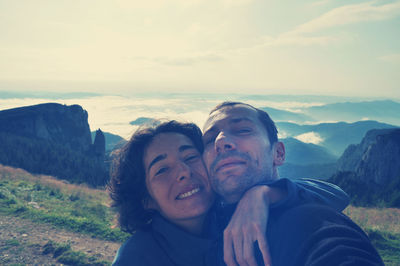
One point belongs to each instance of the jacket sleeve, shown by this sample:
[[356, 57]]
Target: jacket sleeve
[[301, 191], [316, 235]]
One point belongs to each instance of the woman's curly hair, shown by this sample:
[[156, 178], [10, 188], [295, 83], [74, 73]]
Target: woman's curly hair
[[127, 186]]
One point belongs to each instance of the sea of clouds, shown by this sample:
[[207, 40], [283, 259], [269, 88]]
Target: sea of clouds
[[113, 114]]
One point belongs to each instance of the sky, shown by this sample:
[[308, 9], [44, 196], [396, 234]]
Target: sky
[[320, 47]]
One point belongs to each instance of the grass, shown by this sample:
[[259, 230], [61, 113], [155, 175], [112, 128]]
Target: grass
[[45, 199], [65, 255], [84, 210], [383, 227]]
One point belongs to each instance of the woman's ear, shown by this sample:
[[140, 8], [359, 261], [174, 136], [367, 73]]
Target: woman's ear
[[150, 204], [279, 153]]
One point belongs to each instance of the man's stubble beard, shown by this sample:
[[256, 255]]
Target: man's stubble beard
[[232, 187]]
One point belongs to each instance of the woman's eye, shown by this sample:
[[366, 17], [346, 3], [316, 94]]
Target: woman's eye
[[161, 170]]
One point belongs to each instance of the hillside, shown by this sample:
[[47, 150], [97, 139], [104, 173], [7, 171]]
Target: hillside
[[306, 160], [48, 222], [41, 215]]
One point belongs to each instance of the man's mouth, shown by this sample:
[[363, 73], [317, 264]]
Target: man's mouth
[[227, 163], [188, 193]]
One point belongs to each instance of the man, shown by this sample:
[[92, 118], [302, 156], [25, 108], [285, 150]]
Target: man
[[241, 151]]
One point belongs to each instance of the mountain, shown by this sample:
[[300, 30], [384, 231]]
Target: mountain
[[333, 136], [52, 122], [282, 115], [301, 153], [53, 139], [141, 120], [370, 171], [306, 160], [376, 158], [385, 111]]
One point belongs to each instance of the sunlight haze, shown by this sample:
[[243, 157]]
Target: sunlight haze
[[326, 47]]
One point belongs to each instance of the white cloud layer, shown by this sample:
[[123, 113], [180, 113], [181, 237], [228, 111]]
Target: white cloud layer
[[310, 137]]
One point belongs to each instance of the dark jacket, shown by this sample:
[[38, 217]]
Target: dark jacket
[[167, 244]]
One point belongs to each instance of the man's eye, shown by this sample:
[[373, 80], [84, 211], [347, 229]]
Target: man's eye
[[243, 130], [192, 158], [161, 170]]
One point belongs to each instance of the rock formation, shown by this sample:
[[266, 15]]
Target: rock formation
[[376, 159], [66, 125], [53, 139], [99, 144]]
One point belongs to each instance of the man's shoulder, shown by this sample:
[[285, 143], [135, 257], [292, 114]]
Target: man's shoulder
[[302, 221], [316, 234]]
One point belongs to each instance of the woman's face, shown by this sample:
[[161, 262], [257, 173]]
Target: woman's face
[[176, 178]]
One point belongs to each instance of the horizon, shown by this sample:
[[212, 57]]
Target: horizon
[[307, 47], [114, 113]]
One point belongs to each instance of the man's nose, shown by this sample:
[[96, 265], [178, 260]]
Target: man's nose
[[224, 142], [184, 171]]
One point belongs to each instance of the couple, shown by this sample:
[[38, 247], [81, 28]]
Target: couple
[[190, 199]]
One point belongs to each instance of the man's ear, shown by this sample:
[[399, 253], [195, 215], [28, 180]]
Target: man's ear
[[279, 153]]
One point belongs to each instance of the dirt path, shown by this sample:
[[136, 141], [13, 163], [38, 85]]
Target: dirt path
[[21, 242]]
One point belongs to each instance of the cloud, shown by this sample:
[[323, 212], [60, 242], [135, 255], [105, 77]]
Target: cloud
[[309, 33], [310, 137], [183, 60], [391, 58], [350, 14], [320, 3], [291, 38]]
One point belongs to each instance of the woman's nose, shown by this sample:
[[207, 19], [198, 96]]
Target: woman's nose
[[184, 171]]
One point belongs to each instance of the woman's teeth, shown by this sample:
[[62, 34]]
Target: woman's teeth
[[189, 193]]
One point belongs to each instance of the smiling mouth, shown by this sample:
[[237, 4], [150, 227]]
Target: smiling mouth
[[229, 164], [188, 194]]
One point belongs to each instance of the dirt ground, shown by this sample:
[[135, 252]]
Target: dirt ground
[[21, 242]]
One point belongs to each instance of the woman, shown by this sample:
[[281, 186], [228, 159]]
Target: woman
[[160, 187]]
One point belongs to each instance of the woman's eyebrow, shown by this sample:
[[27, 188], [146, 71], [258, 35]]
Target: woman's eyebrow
[[157, 159]]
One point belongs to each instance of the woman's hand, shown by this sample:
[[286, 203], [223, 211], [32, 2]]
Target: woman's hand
[[248, 225]]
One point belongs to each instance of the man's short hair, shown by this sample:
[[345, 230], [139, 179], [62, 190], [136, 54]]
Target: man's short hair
[[127, 186], [263, 116]]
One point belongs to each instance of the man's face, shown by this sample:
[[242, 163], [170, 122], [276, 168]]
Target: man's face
[[237, 151]]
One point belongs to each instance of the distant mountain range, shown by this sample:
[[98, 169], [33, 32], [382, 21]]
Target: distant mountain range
[[385, 111], [335, 137], [282, 115]]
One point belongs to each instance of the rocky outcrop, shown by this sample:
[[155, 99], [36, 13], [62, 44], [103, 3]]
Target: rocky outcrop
[[99, 144], [53, 139], [376, 159], [53, 122]]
